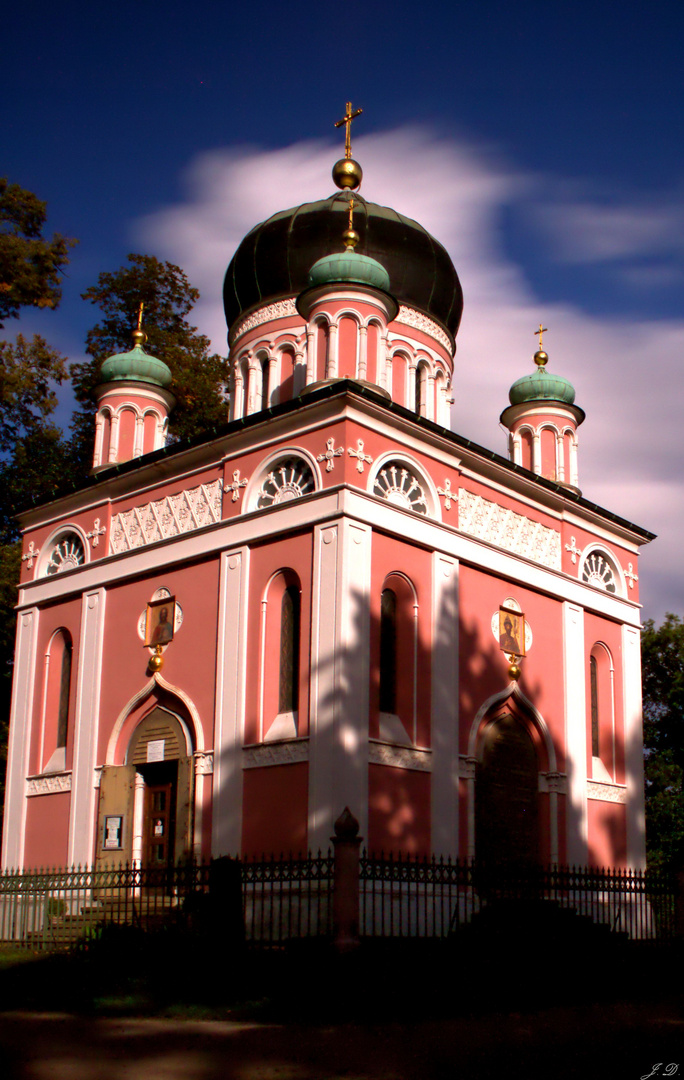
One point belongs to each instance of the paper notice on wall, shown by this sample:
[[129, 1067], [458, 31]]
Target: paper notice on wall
[[155, 750]]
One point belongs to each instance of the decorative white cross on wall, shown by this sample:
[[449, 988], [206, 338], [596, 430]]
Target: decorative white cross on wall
[[30, 555], [330, 454], [359, 454], [235, 486], [572, 547], [448, 494], [631, 576], [96, 532]]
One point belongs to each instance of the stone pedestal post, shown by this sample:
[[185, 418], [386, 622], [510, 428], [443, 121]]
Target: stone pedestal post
[[346, 842]]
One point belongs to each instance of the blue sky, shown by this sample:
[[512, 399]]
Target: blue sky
[[542, 143]]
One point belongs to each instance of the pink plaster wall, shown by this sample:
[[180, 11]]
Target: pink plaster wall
[[398, 810], [275, 809], [47, 830]]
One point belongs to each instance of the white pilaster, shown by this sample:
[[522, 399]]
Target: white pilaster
[[23, 686], [340, 630], [634, 739], [230, 703], [363, 354], [536, 453], [333, 346], [445, 705], [575, 732], [86, 725], [310, 354]]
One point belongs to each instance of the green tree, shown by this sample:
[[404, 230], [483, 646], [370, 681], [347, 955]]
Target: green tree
[[30, 264], [168, 296], [663, 689]]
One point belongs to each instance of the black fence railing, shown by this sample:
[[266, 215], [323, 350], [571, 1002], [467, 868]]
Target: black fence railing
[[435, 897], [345, 895]]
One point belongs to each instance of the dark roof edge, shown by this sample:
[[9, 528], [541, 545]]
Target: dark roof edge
[[344, 386]]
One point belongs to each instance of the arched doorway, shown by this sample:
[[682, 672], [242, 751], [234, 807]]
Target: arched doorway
[[507, 795], [146, 804]]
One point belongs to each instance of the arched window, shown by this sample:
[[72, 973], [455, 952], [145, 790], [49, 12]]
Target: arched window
[[526, 449], [281, 648], [593, 679], [322, 345], [600, 570], [290, 619], [601, 713], [421, 390], [265, 382], [57, 700], [399, 694], [388, 651]]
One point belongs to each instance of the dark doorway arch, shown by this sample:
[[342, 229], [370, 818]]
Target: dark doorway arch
[[507, 795]]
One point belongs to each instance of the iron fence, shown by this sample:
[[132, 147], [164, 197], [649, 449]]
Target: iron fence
[[274, 900], [435, 897]]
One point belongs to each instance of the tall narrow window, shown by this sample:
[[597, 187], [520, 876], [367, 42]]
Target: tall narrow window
[[419, 389], [593, 680], [288, 694], [64, 688], [388, 651], [265, 379]]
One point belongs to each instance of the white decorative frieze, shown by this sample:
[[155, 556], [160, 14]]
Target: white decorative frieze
[[282, 309], [498, 525], [418, 321], [48, 785], [284, 753], [400, 757], [606, 792], [191, 509]]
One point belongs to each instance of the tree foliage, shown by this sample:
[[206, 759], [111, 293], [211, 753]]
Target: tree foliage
[[663, 689], [30, 264], [168, 296]]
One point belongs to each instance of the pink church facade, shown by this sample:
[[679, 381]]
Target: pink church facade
[[338, 559]]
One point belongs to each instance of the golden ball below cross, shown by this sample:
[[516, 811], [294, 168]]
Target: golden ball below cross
[[347, 173]]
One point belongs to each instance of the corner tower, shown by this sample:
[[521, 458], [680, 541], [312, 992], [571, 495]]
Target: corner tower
[[543, 420], [133, 404]]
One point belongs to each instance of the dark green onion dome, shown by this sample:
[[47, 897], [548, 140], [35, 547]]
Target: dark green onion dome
[[274, 259], [348, 265], [541, 385], [136, 366]]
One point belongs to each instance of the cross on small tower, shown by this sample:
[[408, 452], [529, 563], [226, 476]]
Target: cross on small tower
[[360, 456], [347, 121], [140, 314], [541, 331]]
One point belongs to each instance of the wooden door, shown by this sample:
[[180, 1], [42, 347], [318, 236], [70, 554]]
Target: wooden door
[[506, 797], [158, 827]]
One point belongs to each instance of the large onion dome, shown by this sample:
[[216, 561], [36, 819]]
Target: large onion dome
[[136, 366], [274, 259]]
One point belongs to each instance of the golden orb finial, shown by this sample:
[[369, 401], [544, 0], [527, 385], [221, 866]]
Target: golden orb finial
[[350, 235], [347, 173], [139, 336], [156, 660], [514, 669], [541, 358]]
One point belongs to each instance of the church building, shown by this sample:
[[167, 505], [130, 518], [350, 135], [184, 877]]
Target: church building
[[335, 600]]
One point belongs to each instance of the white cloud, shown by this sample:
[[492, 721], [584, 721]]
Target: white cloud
[[627, 373], [586, 233]]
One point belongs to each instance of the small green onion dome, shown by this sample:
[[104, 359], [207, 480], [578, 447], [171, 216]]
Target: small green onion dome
[[348, 265], [541, 385], [136, 366]]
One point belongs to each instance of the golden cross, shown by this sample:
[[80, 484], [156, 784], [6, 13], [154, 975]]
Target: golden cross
[[351, 212], [540, 331], [140, 311], [347, 121]]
